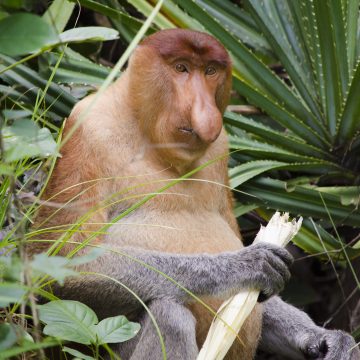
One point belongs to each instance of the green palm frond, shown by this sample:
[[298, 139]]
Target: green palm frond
[[315, 106]]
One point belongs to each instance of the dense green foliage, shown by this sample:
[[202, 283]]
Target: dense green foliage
[[293, 126]]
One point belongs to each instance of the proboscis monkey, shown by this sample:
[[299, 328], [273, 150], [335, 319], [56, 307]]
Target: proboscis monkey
[[160, 120]]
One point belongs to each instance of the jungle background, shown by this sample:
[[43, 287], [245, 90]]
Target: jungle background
[[293, 125]]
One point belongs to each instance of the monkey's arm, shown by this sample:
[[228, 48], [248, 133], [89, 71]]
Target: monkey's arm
[[261, 266], [289, 332]]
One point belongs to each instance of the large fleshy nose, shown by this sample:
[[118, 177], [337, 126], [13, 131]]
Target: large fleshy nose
[[206, 119]]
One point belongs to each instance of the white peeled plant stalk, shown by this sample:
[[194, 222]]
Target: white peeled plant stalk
[[233, 312]]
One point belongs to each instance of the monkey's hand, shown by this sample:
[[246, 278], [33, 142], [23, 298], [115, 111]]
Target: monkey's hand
[[267, 268], [289, 332], [330, 345]]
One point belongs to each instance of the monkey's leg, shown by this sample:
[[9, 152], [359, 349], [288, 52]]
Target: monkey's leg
[[177, 326]]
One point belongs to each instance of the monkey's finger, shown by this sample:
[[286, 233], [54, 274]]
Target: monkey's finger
[[273, 283], [280, 267], [284, 255], [278, 251], [313, 352]]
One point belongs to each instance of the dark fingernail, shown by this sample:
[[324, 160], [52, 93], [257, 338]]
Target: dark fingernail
[[313, 352], [262, 297]]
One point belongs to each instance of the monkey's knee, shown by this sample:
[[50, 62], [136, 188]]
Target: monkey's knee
[[177, 327]]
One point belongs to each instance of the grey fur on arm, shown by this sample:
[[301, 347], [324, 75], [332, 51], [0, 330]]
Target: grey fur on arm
[[289, 332], [261, 266]]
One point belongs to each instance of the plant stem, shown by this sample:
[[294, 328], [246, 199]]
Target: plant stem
[[26, 274]]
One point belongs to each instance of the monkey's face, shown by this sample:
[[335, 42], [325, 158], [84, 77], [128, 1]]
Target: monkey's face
[[188, 80]]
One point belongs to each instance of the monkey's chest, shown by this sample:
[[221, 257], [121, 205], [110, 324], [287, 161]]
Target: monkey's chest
[[178, 232]]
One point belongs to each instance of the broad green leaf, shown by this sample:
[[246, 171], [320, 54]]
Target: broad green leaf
[[88, 33], [3, 14], [7, 336], [83, 259], [77, 353], [25, 33], [115, 330], [11, 333], [54, 266], [68, 320], [59, 267], [25, 139], [11, 293], [16, 39], [58, 14], [70, 332], [6, 169], [11, 267], [74, 321]]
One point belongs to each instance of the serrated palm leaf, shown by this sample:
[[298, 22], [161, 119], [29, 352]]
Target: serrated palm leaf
[[268, 134], [302, 200], [28, 81], [73, 71]]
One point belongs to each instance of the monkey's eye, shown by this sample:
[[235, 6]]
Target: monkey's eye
[[180, 68], [210, 70]]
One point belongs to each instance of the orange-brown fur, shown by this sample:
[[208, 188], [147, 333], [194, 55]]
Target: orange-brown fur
[[127, 145]]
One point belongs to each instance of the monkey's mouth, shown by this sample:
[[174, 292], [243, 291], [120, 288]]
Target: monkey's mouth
[[187, 130], [190, 138]]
